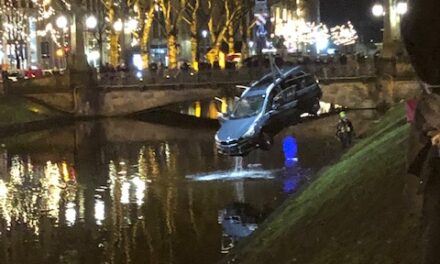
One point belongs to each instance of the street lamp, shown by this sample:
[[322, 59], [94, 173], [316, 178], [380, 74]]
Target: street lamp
[[378, 10], [61, 22], [402, 8], [204, 33], [91, 22]]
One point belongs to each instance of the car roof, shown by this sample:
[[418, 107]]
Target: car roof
[[266, 84]]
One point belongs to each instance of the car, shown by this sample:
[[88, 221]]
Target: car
[[15, 76], [265, 108]]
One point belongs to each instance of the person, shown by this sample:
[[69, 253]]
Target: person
[[419, 34], [345, 130]]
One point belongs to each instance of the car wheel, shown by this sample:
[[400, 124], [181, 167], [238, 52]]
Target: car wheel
[[266, 141]]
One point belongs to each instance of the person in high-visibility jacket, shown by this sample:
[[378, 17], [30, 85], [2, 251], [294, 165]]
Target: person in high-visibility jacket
[[345, 130]]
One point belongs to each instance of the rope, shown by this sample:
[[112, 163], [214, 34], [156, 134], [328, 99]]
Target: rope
[[428, 88]]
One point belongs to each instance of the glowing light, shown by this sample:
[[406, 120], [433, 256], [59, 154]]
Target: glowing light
[[93, 55], [125, 193], [402, 8], [205, 33], [61, 22], [118, 25], [139, 75], [131, 25], [138, 62], [60, 52], [378, 10], [3, 189], [139, 190], [70, 214], [344, 35], [99, 211], [198, 109], [91, 22]]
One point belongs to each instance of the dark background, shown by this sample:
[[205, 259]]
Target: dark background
[[336, 12]]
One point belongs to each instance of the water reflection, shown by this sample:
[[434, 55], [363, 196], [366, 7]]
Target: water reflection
[[123, 196], [209, 108]]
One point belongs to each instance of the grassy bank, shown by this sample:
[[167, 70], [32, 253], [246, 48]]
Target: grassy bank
[[363, 209]]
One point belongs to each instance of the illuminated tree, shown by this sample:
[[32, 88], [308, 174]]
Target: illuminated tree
[[173, 11], [344, 34], [15, 31], [222, 15]]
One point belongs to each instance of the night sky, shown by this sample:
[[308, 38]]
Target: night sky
[[334, 12]]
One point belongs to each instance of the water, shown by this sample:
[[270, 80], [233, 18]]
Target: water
[[124, 191]]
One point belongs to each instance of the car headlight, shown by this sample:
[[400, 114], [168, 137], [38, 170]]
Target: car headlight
[[250, 133]]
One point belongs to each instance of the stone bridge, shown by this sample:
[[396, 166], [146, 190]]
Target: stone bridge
[[123, 96]]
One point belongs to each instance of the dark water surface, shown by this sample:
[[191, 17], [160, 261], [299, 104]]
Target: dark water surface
[[125, 191]]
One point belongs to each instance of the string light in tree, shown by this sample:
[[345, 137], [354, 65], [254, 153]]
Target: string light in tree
[[344, 35]]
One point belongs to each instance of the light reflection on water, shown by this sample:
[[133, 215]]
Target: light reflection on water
[[88, 196]]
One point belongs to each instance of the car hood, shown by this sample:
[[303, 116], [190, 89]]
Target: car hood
[[233, 129]]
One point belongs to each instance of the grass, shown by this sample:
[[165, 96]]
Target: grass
[[357, 211], [15, 110]]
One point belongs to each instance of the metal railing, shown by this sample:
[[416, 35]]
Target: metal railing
[[227, 76]]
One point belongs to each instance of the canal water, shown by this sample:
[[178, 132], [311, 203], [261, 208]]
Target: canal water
[[129, 191]]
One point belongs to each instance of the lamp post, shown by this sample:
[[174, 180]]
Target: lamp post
[[61, 23], [391, 12], [91, 24]]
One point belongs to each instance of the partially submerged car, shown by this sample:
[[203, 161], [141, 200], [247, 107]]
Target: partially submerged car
[[265, 108]]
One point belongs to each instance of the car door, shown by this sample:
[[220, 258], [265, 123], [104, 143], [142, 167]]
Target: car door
[[308, 92], [284, 110], [290, 102]]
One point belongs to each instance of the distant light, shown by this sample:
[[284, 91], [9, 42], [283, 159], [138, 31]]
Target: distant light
[[93, 55], [138, 62], [99, 211], [70, 214], [321, 44], [60, 52], [61, 22], [131, 25], [204, 33], [117, 26], [402, 8], [331, 51], [91, 22], [378, 10], [139, 75]]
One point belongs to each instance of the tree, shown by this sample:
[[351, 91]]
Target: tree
[[14, 31], [222, 17], [172, 11]]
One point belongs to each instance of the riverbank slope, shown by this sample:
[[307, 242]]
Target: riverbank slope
[[363, 209]]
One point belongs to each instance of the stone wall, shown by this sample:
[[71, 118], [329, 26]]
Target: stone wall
[[60, 101], [353, 94], [45, 84], [369, 93], [122, 102]]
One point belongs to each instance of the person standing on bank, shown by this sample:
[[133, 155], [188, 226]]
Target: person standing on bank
[[345, 130]]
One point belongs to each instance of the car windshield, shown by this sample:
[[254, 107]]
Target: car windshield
[[248, 106]]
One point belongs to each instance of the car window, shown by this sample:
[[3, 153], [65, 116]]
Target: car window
[[274, 96], [310, 80], [248, 106]]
